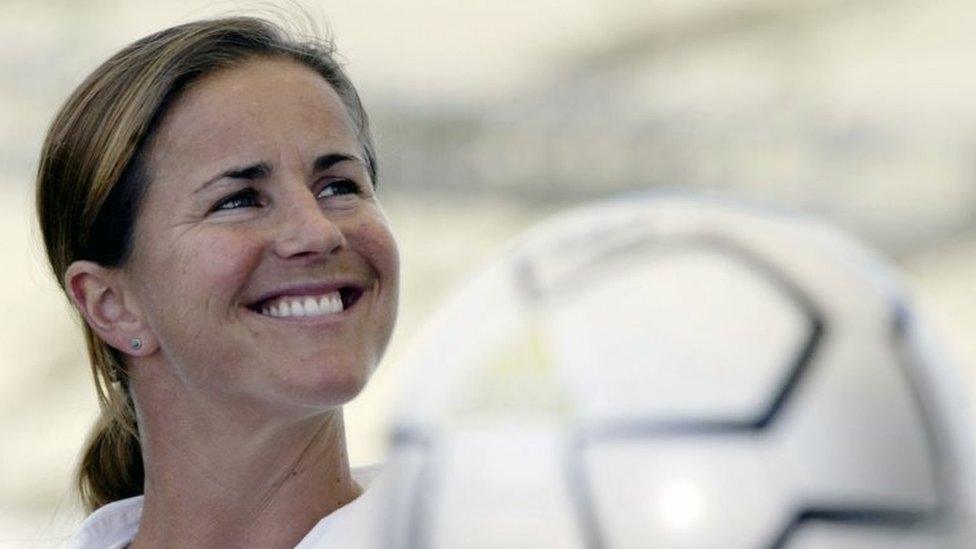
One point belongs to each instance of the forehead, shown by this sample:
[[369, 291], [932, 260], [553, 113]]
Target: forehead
[[264, 106]]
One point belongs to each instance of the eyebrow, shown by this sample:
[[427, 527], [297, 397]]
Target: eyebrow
[[262, 170], [326, 161]]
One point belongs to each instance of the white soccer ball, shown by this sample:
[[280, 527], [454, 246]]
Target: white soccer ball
[[669, 372]]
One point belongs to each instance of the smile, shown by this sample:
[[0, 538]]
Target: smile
[[312, 305]]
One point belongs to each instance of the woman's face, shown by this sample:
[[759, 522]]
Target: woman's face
[[262, 262]]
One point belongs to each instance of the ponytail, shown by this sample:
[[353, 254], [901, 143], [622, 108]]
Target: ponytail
[[111, 467]]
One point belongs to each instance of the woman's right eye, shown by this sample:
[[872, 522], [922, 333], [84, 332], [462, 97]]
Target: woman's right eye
[[248, 198]]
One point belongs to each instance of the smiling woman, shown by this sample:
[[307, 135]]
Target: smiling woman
[[207, 199]]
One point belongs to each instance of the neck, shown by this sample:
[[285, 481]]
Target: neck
[[238, 479]]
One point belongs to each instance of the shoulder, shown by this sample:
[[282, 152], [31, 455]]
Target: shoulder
[[111, 526], [354, 524], [365, 475]]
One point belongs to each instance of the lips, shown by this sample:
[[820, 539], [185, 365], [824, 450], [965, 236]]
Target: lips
[[308, 300]]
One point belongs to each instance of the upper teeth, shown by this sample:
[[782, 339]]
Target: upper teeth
[[326, 304]]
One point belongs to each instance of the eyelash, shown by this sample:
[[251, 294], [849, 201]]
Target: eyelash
[[249, 197], [235, 200], [348, 185]]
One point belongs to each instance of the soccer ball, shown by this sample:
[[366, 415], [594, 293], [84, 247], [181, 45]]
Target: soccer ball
[[672, 372]]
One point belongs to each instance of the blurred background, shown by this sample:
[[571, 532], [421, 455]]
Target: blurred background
[[492, 115]]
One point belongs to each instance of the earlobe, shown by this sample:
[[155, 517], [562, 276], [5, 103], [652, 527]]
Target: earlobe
[[97, 293]]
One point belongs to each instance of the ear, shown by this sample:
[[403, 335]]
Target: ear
[[99, 295]]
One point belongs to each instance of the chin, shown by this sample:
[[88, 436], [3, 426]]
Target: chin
[[329, 387]]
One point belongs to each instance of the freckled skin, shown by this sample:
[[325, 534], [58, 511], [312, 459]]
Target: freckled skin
[[195, 270]]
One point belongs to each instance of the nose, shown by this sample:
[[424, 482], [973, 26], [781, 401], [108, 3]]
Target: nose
[[305, 230]]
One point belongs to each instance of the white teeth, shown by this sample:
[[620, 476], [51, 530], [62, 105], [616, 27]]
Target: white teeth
[[330, 303]]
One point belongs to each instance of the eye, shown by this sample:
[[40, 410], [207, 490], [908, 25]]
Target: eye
[[247, 198], [339, 187]]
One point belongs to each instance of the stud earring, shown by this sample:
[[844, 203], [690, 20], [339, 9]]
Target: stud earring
[[136, 344]]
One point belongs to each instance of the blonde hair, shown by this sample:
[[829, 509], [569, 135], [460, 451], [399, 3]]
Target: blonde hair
[[91, 178]]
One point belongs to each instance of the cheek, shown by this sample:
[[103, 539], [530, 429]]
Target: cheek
[[207, 270], [226, 259], [376, 243], [194, 292]]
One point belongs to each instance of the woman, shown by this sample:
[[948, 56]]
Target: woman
[[207, 199]]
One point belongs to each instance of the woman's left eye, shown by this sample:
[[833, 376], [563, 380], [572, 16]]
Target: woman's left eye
[[339, 187]]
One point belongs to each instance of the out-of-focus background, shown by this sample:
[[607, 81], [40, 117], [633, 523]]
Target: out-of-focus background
[[491, 115]]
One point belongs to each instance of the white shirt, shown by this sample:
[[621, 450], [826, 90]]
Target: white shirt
[[114, 525]]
